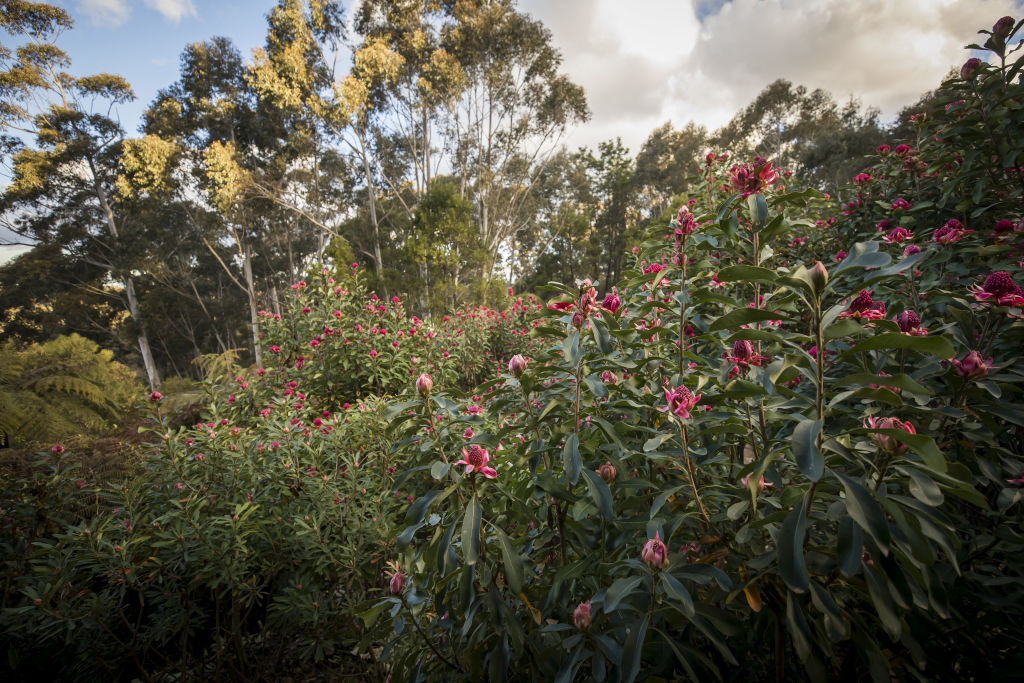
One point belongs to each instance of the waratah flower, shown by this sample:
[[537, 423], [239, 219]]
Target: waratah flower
[[910, 250], [861, 178], [424, 383], [57, 449], [952, 231], [1002, 226], [743, 354], [900, 204], [758, 487], [910, 323], [749, 179], [611, 302], [1003, 27], [840, 255], [155, 396], [864, 308], [517, 365], [476, 459], [902, 150], [970, 68], [655, 553], [684, 223], [607, 472], [882, 149], [973, 366], [884, 441], [581, 616], [999, 288], [680, 401]]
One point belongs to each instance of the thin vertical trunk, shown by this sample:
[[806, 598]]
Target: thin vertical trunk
[[371, 191], [253, 316]]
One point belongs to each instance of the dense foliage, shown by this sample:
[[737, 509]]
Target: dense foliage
[[788, 443]]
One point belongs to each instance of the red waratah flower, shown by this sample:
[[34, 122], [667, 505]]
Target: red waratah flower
[[884, 441], [155, 396], [476, 459], [970, 68], [275, 349], [581, 616], [902, 150], [424, 383], [684, 223], [861, 179], [882, 149], [973, 366], [1003, 27], [680, 401], [952, 231], [840, 255], [397, 583], [999, 288], [655, 553], [611, 302], [743, 355], [517, 365], [900, 204], [749, 179], [911, 249], [57, 449], [863, 307], [898, 235], [910, 323]]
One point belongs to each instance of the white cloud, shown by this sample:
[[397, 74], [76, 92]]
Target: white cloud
[[174, 10], [111, 13], [648, 61]]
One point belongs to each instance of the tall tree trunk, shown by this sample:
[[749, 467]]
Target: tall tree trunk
[[253, 316]]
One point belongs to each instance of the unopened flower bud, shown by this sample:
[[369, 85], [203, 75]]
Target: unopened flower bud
[[581, 616], [819, 277], [970, 68], [424, 384], [655, 553], [397, 583], [1003, 27], [607, 472], [517, 365]]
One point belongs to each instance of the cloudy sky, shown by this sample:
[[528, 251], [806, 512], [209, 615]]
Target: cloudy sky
[[642, 62]]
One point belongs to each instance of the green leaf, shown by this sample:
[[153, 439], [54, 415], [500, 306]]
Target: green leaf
[[675, 590], [805, 449], [758, 211], [620, 590], [866, 511], [923, 488], [747, 274], [600, 333], [513, 564], [600, 492], [571, 349], [726, 207], [938, 346], [633, 649], [571, 460], [742, 316], [653, 443], [660, 500], [471, 531], [882, 600], [921, 444], [849, 547], [862, 255], [790, 544]]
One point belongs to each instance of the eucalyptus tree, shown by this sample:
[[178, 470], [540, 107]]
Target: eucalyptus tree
[[63, 143]]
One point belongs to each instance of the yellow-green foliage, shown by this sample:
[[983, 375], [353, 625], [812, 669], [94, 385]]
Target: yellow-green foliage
[[62, 387]]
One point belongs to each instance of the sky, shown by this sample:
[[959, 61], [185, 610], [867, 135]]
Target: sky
[[641, 62]]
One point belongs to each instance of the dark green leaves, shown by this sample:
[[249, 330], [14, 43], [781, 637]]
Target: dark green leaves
[[742, 316], [471, 531], [805, 449], [790, 545], [938, 346], [866, 511], [571, 460], [600, 493]]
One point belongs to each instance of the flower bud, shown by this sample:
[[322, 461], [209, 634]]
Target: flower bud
[[397, 583], [655, 553], [970, 68], [1003, 27], [424, 384], [155, 396], [819, 277], [607, 472], [581, 616], [517, 365]]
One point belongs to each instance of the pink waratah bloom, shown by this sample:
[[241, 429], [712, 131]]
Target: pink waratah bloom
[[476, 459], [861, 178], [57, 449], [680, 401], [910, 250], [898, 235], [952, 231], [275, 349], [900, 204], [884, 441], [910, 323], [999, 288], [581, 616], [424, 384], [902, 150], [840, 255], [882, 149], [1002, 227], [743, 354], [1003, 27], [155, 396], [684, 223], [655, 553], [397, 583], [864, 308], [972, 366], [517, 365]]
